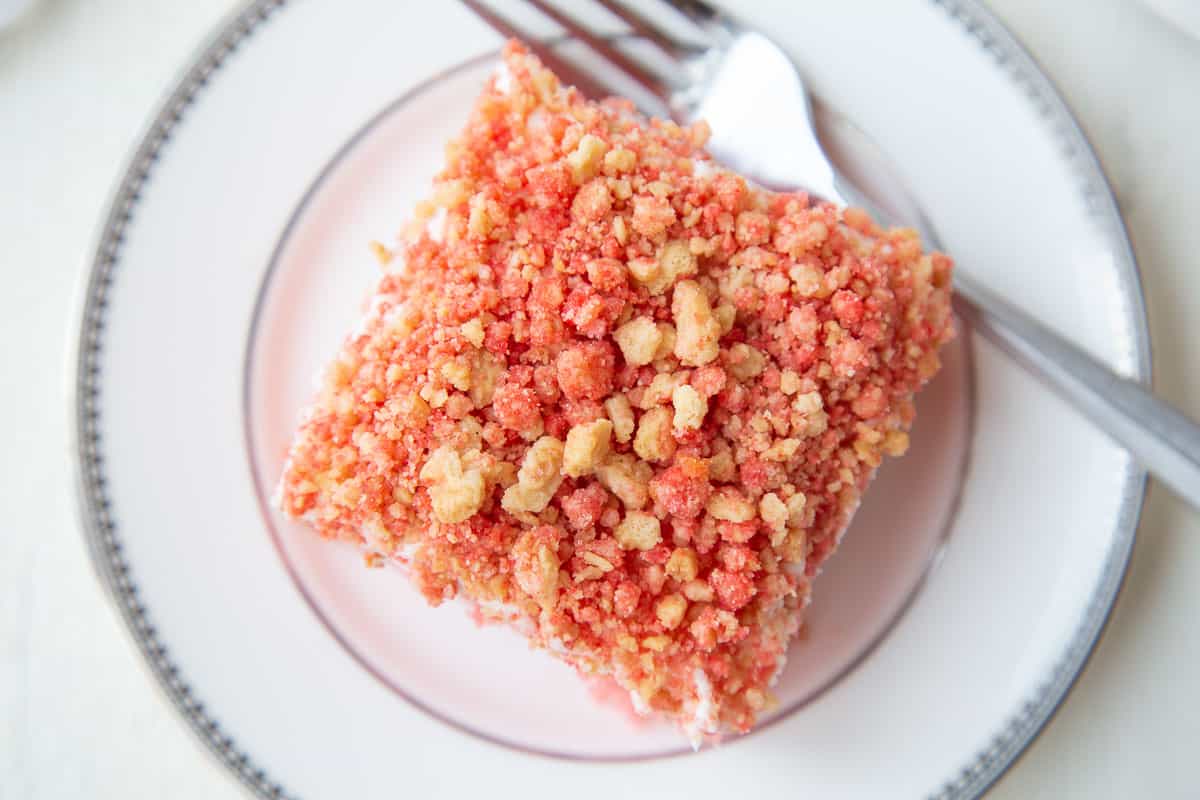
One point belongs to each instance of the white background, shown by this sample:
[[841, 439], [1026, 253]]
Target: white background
[[79, 716]]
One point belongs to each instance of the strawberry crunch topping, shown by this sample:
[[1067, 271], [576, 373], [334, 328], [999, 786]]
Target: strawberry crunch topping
[[622, 402]]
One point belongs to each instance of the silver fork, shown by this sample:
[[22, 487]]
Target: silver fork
[[764, 126]]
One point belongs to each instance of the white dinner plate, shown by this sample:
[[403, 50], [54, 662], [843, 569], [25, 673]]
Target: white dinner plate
[[963, 603]]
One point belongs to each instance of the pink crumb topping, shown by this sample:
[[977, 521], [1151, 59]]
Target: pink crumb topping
[[632, 402]]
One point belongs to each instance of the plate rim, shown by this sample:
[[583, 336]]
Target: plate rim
[[82, 372]]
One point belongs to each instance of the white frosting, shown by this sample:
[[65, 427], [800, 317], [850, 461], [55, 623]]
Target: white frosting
[[436, 226], [375, 536], [503, 78], [780, 663], [639, 705], [703, 720]]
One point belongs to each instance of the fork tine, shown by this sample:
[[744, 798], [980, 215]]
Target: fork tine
[[643, 27], [697, 11], [613, 54], [568, 72]]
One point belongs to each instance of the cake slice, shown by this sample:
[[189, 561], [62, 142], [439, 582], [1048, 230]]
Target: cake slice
[[620, 398]]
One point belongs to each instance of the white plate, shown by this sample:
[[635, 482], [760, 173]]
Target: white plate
[[234, 259]]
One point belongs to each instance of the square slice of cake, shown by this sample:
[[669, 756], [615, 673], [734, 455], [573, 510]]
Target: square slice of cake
[[619, 397]]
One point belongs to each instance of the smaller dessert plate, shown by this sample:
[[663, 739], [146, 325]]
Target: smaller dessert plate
[[895, 539]]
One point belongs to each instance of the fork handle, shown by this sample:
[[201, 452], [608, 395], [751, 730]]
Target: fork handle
[[1165, 441]]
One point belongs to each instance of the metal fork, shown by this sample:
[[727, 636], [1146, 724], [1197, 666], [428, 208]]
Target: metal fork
[[763, 126]]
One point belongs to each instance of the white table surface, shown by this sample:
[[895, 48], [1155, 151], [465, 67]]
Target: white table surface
[[79, 716]]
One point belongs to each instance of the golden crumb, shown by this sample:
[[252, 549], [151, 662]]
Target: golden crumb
[[586, 447], [639, 340], [690, 408], [696, 330], [638, 531], [538, 479]]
